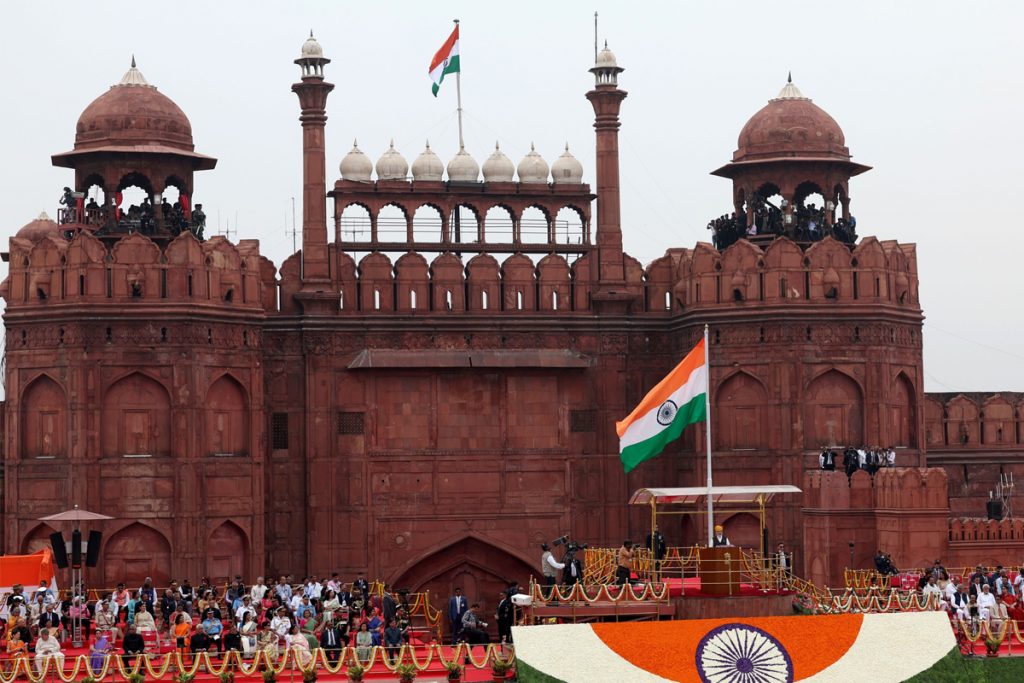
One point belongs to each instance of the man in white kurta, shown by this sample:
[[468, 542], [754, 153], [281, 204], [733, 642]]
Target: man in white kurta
[[48, 648], [986, 603]]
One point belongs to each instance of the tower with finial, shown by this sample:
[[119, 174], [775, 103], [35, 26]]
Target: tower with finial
[[312, 91], [606, 98]]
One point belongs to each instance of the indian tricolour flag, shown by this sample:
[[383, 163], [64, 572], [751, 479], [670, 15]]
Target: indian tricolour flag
[[676, 401], [446, 61]]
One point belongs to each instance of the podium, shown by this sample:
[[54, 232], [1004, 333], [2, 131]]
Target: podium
[[719, 570]]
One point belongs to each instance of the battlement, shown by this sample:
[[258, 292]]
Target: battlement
[[134, 271], [974, 422]]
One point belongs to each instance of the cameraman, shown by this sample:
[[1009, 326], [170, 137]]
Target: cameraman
[[549, 565], [573, 573]]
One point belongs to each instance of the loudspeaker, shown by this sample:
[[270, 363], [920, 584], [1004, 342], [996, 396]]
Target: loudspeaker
[[76, 549], [60, 553], [994, 509], [92, 555]]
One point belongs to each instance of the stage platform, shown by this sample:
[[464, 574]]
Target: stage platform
[[685, 600]]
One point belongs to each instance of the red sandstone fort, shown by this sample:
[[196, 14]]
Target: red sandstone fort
[[427, 400]]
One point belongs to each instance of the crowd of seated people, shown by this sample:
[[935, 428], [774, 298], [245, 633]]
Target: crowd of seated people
[[809, 224], [273, 619], [983, 596], [869, 459], [137, 218]]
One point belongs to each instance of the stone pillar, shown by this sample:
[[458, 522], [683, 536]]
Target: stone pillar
[[313, 92], [606, 99]]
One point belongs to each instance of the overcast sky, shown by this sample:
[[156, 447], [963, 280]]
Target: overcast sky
[[931, 94]]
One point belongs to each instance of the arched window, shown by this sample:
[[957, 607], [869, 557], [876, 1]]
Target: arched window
[[227, 418], [740, 413], [136, 418], [833, 412], [355, 224], [463, 226], [426, 224], [44, 420], [498, 225], [534, 226], [568, 226]]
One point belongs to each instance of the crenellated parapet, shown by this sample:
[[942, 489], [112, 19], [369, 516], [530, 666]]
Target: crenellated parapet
[[979, 422], [54, 275], [782, 273]]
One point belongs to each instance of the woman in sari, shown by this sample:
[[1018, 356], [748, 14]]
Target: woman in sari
[[376, 624], [331, 605], [100, 649], [248, 633], [17, 650], [299, 647], [179, 633], [267, 643]]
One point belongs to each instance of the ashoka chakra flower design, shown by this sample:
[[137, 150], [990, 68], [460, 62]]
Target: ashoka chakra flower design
[[739, 653]]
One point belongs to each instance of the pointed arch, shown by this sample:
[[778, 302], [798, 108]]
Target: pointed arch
[[44, 419], [481, 566], [903, 412], [743, 530], [227, 552], [135, 552], [740, 412], [833, 411], [37, 539], [136, 418], [227, 417]]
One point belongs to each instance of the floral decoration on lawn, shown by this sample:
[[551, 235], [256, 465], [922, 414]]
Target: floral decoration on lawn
[[880, 648]]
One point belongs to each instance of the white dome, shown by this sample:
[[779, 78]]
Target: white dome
[[356, 165], [392, 165], [567, 169], [428, 166], [498, 168], [533, 168], [606, 58], [463, 168], [311, 48]]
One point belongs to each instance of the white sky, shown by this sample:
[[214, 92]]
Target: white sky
[[929, 93]]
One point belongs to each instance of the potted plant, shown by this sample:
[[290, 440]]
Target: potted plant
[[309, 675], [181, 678], [137, 677], [269, 676], [406, 672], [500, 668], [992, 643], [227, 677], [454, 671], [356, 673]]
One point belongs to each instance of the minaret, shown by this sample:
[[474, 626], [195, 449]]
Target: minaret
[[607, 98], [312, 92]]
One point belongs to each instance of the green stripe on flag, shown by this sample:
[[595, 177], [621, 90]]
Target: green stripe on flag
[[687, 414], [450, 68]]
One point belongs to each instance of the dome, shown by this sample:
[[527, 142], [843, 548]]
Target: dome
[[463, 168], [533, 168], [498, 168], [567, 169], [428, 166], [606, 58], [41, 227], [356, 165], [311, 48], [791, 125], [133, 113], [392, 165]]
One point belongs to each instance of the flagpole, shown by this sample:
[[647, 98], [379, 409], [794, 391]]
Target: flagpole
[[707, 434], [458, 88]]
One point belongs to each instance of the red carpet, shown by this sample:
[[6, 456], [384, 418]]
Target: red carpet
[[691, 587]]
